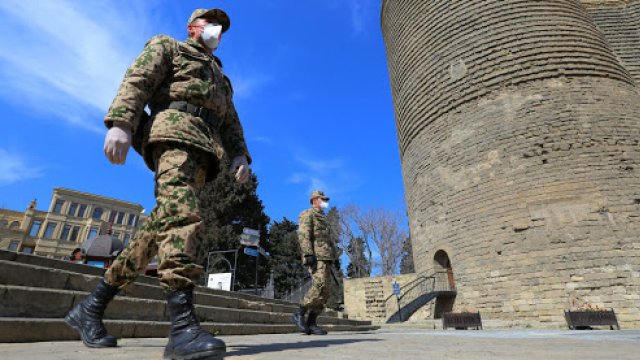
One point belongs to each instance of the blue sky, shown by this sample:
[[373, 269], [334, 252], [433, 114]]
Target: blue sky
[[311, 88]]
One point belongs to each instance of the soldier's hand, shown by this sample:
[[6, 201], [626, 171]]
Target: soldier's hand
[[309, 260], [117, 143], [240, 167]]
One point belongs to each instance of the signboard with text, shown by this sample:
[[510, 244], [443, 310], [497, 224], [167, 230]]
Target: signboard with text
[[396, 288], [220, 281], [250, 237], [251, 252]]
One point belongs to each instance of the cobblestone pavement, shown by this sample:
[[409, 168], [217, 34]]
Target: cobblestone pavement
[[395, 343]]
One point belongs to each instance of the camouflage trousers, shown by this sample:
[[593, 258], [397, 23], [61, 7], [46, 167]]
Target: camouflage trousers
[[321, 286], [174, 228]]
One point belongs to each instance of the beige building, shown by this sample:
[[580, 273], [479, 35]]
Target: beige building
[[71, 218]]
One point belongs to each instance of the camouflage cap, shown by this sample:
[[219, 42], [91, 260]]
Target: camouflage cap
[[318, 194], [218, 15]]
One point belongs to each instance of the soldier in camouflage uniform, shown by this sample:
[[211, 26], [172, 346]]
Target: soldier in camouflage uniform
[[193, 125], [318, 255]]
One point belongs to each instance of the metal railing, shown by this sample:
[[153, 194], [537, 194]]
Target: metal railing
[[418, 292], [297, 292]]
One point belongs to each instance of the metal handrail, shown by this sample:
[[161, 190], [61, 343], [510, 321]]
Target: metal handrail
[[422, 285], [296, 294]]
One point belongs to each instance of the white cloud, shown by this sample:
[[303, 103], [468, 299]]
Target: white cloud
[[263, 139], [65, 58], [13, 168], [320, 166], [246, 85], [332, 176], [357, 16]]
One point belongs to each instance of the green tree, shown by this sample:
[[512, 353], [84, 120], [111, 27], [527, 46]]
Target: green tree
[[406, 263], [228, 207], [285, 256], [360, 265]]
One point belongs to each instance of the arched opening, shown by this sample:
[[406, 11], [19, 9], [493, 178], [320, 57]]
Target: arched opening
[[445, 283], [14, 225], [442, 265]]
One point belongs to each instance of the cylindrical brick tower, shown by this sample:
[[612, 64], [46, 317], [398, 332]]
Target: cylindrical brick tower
[[519, 133], [619, 21]]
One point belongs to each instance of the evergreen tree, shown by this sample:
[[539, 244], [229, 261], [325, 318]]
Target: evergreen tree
[[285, 256], [406, 264], [227, 207], [359, 266]]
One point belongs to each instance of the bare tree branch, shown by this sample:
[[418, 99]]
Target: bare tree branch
[[379, 228]]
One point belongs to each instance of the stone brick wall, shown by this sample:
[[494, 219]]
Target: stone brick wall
[[519, 132], [619, 22]]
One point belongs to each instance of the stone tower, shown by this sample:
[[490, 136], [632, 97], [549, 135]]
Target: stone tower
[[519, 127]]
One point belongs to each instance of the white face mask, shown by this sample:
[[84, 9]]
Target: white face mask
[[211, 35], [324, 205]]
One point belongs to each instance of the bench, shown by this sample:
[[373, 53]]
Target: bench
[[462, 321], [584, 319]]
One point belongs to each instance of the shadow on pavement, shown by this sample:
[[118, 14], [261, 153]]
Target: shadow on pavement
[[240, 350]]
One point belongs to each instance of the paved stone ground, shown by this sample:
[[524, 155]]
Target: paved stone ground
[[387, 343]]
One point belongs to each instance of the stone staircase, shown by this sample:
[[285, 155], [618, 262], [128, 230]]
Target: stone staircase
[[37, 292]]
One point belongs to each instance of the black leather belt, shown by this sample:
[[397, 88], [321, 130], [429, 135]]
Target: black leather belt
[[205, 114]]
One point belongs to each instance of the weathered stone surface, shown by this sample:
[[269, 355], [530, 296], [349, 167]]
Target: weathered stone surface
[[519, 130]]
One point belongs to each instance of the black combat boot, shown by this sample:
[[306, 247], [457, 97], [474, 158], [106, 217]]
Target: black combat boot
[[86, 317], [312, 326], [298, 319], [187, 340]]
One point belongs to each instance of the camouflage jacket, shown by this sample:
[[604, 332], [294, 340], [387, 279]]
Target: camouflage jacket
[[168, 70], [314, 235]]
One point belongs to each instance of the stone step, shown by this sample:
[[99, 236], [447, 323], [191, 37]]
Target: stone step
[[38, 329], [8, 256], [33, 276], [21, 301], [20, 274], [36, 293], [71, 276]]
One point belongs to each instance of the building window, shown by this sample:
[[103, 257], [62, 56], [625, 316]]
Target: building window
[[3, 224], [116, 235], [112, 216], [57, 207], [15, 225], [48, 231], [97, 213], [74, 233], [27, 250], [13, 246], [92, 233], [81, 210], [35, 228], [126, 240], [120, 218], [72, 209], [132, 219], [65, 232]]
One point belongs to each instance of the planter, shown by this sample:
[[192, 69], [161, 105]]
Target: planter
[[585, 319], [462, 321]]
